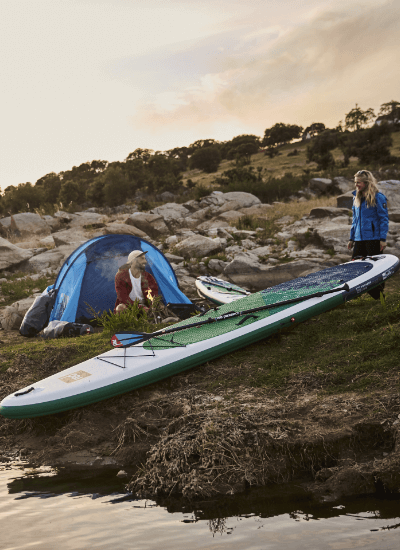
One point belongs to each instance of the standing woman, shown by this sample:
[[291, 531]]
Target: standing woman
[[370, 220]]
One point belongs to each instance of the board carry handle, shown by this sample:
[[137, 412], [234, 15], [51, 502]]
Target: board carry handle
[[126, 339]]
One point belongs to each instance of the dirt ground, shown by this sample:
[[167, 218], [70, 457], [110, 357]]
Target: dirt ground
[[177, 438]]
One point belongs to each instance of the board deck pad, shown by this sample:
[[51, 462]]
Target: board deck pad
[[303, 286]]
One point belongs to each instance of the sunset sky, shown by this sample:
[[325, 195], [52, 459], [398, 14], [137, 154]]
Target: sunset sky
[[95, 79]]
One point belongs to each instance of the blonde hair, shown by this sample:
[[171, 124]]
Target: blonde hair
[[370, 190]]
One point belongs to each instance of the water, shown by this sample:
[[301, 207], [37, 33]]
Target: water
[[55, 512]]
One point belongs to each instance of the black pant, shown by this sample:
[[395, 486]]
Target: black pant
[[369, 248]]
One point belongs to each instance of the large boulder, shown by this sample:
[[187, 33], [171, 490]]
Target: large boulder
[[334, 235], [11, 255], [391, 189], [328, 212], [50, 260], [394, 215], [345, 201], [123, 229], [28, 223], [53, 223], [86, 219], [321, 185], [245, 270], [199, 246], [152, 224], [343, 185], [239, 199], [171, 211], [230, 216]]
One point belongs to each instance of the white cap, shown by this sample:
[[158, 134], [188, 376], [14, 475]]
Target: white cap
[[135, 254]]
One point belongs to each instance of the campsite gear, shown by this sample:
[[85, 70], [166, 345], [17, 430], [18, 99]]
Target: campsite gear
[[56, 329], [85, 283], [38, 315], [123, 369], [218, 291]]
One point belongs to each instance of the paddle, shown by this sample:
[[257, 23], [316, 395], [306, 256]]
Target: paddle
[[131, 338]]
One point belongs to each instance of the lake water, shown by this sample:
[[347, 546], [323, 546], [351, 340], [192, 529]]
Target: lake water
[[62, 512]]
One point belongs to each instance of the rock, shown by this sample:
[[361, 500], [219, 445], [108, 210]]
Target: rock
[[391, 189], [242, 199], [11, 318], [69, 236], [247, 243], [86, 218], [173, 257], [122, 474], [171, 211], [23, 305], [245, 270], [343, 184], [213, 224], [394, 215], [192, 205], [65, 217], [345, 201], [262, 250], [323, 185], [47, 241], [11, 255], [53, 223], [217, 266], [123, 229], [51, 259], [328, 211], [152, 224], [334, 235], [28, 223], [199, 246], [230, 216]]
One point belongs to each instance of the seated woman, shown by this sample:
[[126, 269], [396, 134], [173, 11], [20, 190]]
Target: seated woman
[[132, 282]]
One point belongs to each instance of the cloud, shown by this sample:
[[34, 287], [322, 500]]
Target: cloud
[[315, 72]]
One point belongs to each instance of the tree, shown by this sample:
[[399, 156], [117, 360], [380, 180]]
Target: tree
[[241, 148], [143, 154], [206, 159], [50, 184], [370, 145], [71, 192], [116, 186], [319, 150], [390, 112], [280, 134], [314, 129], [357, 118]]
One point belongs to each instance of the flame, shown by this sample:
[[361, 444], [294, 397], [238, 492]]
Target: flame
[[150, 295]]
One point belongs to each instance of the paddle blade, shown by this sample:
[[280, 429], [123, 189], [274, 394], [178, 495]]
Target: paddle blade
[[126, 339]]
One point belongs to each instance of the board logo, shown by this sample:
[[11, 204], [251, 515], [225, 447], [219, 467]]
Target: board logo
[[75, 376]]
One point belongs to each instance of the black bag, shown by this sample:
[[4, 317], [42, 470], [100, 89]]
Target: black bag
[[38, 315], [57, 329]]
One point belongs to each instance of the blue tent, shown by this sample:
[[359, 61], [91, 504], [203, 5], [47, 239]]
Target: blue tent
[[87, 278]]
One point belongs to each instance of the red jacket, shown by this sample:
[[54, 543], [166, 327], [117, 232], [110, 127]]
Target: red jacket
[[123, 286]]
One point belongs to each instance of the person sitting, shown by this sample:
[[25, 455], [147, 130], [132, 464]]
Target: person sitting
[[132, 282]]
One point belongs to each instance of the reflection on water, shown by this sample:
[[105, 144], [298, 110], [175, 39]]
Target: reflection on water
[[48, 510]]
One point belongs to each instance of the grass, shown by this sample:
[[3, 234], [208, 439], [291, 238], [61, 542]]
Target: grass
[[13, 290], [281, 164], [354, 347]]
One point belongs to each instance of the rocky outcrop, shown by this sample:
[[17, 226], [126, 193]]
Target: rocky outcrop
[[151, 224], [27, 223], [11, 255], [199, 246]]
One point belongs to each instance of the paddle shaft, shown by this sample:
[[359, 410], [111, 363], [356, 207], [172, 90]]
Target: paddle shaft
[[233, 314]]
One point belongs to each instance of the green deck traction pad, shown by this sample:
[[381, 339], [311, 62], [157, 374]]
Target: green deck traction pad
[[191, 336]]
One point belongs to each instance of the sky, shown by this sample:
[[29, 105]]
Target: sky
[[84, 80]]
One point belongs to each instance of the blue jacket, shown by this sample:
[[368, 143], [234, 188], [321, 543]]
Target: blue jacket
[[370, 224]]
